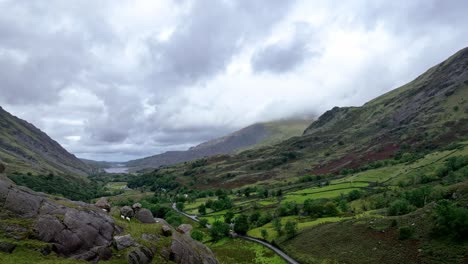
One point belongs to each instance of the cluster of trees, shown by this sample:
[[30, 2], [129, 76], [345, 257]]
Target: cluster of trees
[[69, 187], [222, 203], [155, 181]]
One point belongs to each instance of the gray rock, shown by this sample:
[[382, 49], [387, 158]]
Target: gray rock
[[145, 216], [48, 227], [166, 230], [71, 228], [7, 247], [184, 229], [103, 203], [141, 255], [136, 206], [186, 250], [122, 242], [150, 237], [127, 211], [161, 221], [22, 203]]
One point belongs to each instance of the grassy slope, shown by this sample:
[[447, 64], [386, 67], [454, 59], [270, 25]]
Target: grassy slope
[[24, 148], [427, 113], [348, 238]]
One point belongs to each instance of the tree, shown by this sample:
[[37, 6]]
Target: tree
[[253, 218], [291, 229], [203, 222], [399, 207], [354, 195], [219, 230], [264, 234], [202, 209], [241, 224], [180, 206], [197, 235], [277, 225], [313, 208], [330, 209], [228, 217]]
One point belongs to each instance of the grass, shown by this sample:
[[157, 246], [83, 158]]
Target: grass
[[238, 251], [115, 186], [318, 195]]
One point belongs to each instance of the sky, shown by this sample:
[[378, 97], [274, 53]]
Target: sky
[[119, 80]]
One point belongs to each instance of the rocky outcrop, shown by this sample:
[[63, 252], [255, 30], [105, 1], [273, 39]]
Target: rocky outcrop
[[186, 250], [122, 242], [145, 216], [127, 211], [140, 255], [184, 229], [73, 229], [103, 203]]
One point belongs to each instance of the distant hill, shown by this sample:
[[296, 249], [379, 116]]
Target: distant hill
[[25, 148], [256, 135]]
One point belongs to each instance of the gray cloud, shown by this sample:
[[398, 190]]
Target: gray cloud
[[282, 57], [208, 37]]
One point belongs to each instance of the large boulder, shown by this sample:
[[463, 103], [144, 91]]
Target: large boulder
[[122, 242], [103, 203], [140, 255], [145, 216], [127, 211], [136, 206], [184, 229], [186, 250], [7, 247]]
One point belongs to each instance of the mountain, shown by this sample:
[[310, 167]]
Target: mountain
[[256, 135], [428, 113], [25, 148]]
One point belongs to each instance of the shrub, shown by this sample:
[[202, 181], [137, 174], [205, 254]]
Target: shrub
[[197, 235], [354, 195], [291, 229], [219, 230], [405, 232], [241, 224], [451, 221], [400, 207]]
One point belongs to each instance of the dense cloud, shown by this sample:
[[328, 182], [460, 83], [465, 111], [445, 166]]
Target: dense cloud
[[123, 80]]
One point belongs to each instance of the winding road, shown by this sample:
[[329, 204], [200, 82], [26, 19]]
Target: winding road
[[268, 245]]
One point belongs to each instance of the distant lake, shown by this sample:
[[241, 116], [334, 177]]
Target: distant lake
[[116, 170]]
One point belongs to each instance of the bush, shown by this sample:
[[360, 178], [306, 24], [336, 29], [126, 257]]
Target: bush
[[219, 230], [197, 235], [451, 221], [241, 224], [354, 195], [291, 229], [405, 232], [203, 222], [400, 207]]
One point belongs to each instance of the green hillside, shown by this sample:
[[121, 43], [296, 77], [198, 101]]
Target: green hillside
[[24, 148]]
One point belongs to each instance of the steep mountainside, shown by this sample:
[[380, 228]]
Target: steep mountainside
[[427, 113], [25, 148], [261, 134]]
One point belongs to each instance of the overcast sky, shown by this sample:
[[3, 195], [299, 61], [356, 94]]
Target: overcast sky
[[118, 80]]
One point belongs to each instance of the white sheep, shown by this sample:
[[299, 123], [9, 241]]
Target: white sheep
[[121, 216], [128, 218]]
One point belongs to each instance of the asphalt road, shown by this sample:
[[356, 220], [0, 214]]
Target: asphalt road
[[268, 245]]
